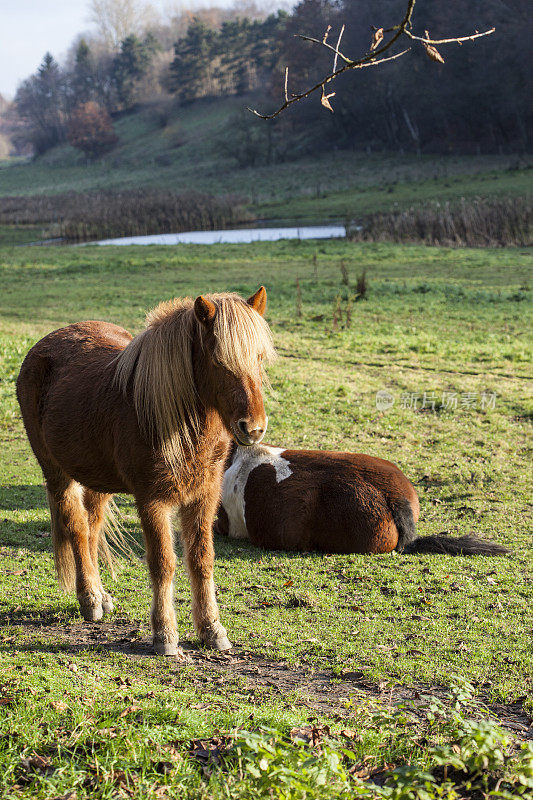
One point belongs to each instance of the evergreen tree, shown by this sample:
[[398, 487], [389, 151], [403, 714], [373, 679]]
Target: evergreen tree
[[131, 65], [83, 85], [41, 103]]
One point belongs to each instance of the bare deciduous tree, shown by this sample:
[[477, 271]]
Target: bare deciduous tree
[[117, 19], [382, 41]]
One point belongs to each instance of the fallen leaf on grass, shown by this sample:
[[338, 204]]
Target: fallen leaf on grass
[[348, 733], [121, 681], [129, 710], [58, 705], [208, 752], [34, 764]]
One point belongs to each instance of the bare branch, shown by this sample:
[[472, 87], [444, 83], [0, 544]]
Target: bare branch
[[337, 49], [329, 46], [456, 40], [372, 58], [296, 97]]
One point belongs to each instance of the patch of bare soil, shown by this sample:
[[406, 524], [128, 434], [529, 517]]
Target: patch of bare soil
[[321, 691]]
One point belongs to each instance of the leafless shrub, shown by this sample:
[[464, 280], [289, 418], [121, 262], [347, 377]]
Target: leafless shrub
[[469, 223], [337, 313], [361, 287], [299, 305], [344, 273]]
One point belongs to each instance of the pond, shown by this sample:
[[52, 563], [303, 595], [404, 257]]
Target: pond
[[238, 236]]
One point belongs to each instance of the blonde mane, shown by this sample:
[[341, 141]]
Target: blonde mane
[[159, 362]]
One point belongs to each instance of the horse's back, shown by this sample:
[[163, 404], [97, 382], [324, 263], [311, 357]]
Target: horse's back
[[357, 470], [329, 501], [66, 395], [77, 340]]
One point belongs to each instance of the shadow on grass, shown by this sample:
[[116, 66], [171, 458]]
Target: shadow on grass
[[22, 497]]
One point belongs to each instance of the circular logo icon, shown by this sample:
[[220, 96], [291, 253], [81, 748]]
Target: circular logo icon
[[384, 400]]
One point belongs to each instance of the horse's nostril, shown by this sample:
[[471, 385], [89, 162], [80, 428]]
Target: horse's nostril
[[243, 427]]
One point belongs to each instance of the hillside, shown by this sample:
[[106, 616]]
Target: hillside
[[189, 149]]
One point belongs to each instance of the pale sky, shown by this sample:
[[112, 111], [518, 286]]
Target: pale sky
[[28, 28]]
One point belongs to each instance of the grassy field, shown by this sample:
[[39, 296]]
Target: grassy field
[[351, 642], [188, 154]]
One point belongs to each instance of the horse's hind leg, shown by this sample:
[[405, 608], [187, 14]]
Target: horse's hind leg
[[95, 504], [70, 526]]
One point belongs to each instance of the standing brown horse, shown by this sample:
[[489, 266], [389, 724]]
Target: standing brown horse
[[151, 416]]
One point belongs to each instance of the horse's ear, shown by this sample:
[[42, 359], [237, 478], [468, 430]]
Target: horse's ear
[[205, 310], [258, 301]]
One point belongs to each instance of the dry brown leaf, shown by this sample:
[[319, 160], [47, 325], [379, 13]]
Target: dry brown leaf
[[432, 52], [58, 705], [129, 710], [377, 38], [325, 100]]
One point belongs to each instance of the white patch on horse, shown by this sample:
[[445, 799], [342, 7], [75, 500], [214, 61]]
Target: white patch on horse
[[236, 476]]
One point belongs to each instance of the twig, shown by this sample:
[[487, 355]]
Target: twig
[[371, 58], [457, 40], [337, 48], [296, 97]]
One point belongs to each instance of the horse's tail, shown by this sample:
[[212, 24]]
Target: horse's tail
[[409, 542], [456, 546], [62, 547], [114, 539]]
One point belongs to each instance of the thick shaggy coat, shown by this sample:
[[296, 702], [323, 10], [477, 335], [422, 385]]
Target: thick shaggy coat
[[151, 416]]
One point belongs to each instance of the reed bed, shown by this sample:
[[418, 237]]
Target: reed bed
[[469, 223], [78, 217]]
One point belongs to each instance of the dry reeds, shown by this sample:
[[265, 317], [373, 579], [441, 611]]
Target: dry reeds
[[469, 223], [101, 215]]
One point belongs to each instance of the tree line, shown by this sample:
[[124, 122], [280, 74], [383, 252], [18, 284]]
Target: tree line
[[477, 101]]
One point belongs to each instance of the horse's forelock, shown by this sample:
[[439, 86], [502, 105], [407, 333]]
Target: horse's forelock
[[243, 340]]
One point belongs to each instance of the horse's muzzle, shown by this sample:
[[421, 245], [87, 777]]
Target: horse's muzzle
[[247, 436]]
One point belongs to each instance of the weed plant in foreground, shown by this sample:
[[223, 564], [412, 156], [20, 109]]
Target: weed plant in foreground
[[347, 640]]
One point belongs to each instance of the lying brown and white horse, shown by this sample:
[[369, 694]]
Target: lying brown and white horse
[[151, 416], [305, 500]]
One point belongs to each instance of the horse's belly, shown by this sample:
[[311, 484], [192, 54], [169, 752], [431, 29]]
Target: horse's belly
[[81, 452]]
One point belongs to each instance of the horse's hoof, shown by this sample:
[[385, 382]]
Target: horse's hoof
[[92, 613], [217, 642], [107, 603], [168, 649], [222, 643]]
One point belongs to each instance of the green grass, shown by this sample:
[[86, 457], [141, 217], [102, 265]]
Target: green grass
[[436, 320], [187, 155]]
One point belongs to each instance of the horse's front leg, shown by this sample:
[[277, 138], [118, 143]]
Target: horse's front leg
[[197, 539], [157, 529]]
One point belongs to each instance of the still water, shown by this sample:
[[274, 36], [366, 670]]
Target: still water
[[240, 236]]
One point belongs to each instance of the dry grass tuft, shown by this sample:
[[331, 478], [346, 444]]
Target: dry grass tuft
[[80, 217], [469, 223]]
